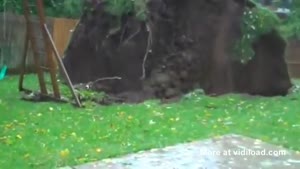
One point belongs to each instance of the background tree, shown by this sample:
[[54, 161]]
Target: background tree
[[53, 8]]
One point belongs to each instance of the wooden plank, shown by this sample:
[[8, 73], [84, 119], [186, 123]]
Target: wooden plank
[[62, 32]]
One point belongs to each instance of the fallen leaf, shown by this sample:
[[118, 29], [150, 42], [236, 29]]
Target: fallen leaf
[[98, 150], [129, 117], [73, 134], [26, 156], [19, 136], [151, 122], [64, 153]]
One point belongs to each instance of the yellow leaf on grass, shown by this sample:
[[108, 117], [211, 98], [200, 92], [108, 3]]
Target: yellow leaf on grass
[[26, 156], [129, 117], [19, 136], [8, 126], [121, 114], [64, 153], [98, 150], [73, 134], [8, 141]]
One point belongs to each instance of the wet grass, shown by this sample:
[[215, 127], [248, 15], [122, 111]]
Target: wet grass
[[49, 135]]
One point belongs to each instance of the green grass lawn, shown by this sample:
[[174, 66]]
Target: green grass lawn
[[49, 135]]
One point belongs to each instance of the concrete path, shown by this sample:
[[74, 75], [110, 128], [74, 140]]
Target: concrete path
[[226, 152]]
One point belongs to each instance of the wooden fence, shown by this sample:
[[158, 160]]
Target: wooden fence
[[62, 31], [293, 58], [12, 38]]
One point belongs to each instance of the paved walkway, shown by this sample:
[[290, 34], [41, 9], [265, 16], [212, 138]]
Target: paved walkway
[[227, 152]]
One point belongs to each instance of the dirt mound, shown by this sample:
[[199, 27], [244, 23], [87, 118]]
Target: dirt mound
[[183, 45]]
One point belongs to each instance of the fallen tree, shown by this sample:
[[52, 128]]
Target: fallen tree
[[166, 48]]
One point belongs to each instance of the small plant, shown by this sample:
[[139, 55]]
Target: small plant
[[256, 22], [90, 95]]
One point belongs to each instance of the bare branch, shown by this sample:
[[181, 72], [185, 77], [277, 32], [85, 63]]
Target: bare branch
[[102, 79]]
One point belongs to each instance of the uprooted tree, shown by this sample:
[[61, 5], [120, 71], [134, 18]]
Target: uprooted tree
[[141, 49]]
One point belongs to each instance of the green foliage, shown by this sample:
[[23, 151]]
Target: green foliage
[[11, 5], [256, 22], [119, 7], [123, 7], [65, 8], [140, 9], [90, 95], [73, 8], [290, 28], [54, 8]]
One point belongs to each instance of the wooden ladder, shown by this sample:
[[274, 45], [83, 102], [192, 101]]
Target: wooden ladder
[[49, 47]]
